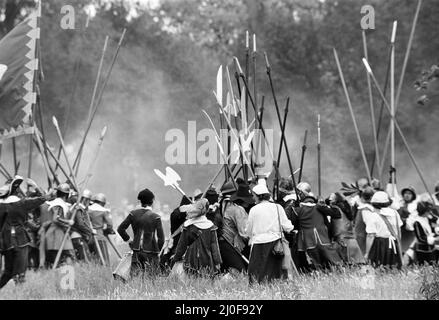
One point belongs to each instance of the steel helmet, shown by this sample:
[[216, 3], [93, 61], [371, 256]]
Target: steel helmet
[[86, 194], [64, 188], [100, 197], [304, 187]]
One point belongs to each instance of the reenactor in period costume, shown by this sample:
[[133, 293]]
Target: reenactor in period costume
[[102, 224], [312, 220], [383, 232], [233, 238], [198, 249], [343, 230], [14, 238], [82, 232], [427, 238], [148, 235], [59, 210]]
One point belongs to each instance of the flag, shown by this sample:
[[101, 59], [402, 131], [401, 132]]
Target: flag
[[18, 66]]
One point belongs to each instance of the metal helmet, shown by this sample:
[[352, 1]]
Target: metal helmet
[[304, 187], [86, 194], [64, 188], [100, 197], [436, 187]]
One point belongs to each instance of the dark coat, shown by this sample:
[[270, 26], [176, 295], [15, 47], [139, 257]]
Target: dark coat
[[13, 233], [147, 225], [200, 249]]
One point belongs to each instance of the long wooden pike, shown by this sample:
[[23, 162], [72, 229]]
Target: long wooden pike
[[14, 155], [242, 76], [279, 154], [401, 79], [302, 158], [372, 110], [345, 89], [392, 107], [218, 141], [89, 174], [63, 147], [319, 158], [389, 109], [101, 93]]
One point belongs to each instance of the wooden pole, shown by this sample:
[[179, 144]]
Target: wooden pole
[[77, 161], [319, 159], [340, 71], [389, 109], [401, 79], [302, 158], [392, 106], [372, 111]]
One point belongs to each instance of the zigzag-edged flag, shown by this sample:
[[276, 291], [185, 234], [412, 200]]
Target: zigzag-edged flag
[[18, 66]]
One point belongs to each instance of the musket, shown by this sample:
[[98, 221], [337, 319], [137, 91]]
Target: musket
[[366, 165], [406, 145], [302, 158], [101, 93], [89, 173]]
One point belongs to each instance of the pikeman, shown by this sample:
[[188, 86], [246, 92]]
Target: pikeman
[[59, 212], [82, 233], [14, 238], [233, 238], [102, 224]]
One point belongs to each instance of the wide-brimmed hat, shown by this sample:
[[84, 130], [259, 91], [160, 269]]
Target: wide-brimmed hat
[[243, 193], [409, 189], [380, 198], [260, 189], [228, 188], [212, 195]]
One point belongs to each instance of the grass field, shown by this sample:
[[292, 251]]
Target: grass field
[[96, 282]]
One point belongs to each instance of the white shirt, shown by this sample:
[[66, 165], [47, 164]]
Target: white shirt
[[263, 223], [375, 224]]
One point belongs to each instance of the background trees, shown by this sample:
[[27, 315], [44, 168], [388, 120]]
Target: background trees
[[166, 71]]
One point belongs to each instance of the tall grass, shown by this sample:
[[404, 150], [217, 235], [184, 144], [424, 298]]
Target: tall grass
[[96, 282]]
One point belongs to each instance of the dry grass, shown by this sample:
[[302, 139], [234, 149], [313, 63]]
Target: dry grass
[[96, 282]]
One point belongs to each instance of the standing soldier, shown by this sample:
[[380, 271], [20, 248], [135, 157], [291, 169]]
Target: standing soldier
[[101, 223], [148, 235], [82, 232], [14, 238], [59, 213]]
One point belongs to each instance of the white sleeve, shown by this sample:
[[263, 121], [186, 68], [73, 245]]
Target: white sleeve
[[370, 220]]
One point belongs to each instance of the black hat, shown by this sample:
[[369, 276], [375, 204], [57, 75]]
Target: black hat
[[145, 196], [243, 193], [228, 188], [212, 195]]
